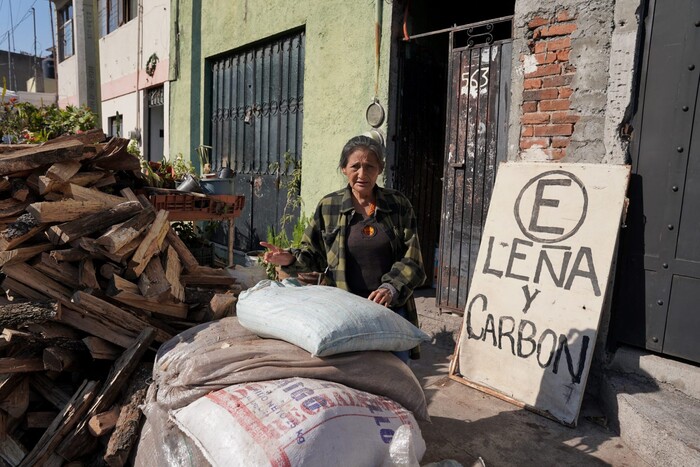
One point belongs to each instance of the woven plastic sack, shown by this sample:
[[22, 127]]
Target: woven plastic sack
[[324, 320], [297, 421]]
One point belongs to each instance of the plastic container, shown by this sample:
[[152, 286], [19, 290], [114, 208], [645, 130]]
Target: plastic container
[[217, 186]]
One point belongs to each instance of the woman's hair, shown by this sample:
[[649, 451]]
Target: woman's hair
[[361, 142]]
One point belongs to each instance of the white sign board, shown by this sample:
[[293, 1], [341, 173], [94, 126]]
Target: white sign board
[[540, 279]]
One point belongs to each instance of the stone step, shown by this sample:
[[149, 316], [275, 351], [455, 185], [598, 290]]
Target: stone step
[[659, 422]]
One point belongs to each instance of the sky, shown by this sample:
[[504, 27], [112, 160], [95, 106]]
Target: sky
[[18, 13]]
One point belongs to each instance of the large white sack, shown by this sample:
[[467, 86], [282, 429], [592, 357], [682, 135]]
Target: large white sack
[[296, 422], [324, 320]]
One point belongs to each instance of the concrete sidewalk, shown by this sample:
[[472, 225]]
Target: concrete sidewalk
[[472, 427]]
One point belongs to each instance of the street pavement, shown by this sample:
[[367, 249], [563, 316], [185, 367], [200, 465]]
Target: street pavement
[[476, 429]]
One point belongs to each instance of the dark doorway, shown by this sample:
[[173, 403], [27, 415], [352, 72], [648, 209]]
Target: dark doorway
[[422, 105], [657, 292]]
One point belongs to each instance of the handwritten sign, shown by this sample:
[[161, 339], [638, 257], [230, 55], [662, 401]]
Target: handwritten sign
[[540, 279]]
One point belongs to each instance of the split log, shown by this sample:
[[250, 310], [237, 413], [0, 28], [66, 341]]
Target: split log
[[129, 294], [11, 207], [53, 330], [128, 194], [87, 276], [5, 184], [115, 157], [223, 305], [119, 236], [33, 158], [82, 179], [19, 255], [20, 190], [16, 291], [90, 137], [173, 268], [186, 257], [62, 272], [8, 382], [69, 254], [152, 282], [14, 315], [87, 194], [60, 359], [30, 277], [21, 364], [74, 445], [100, 349], [62, 425], [107, 180], [25, 228], [194, 279], [17, 402], [151, 244], [48, 389], [128, 426], [63, 211], [65, 233], [63, 171], [102, 423]]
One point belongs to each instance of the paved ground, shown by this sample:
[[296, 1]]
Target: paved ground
[[468, 425]]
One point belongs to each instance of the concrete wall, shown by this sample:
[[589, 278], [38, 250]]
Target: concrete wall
[[24, 67], [573, 69], [339, 71]]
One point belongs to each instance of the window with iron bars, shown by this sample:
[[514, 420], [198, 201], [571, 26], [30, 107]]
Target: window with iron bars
[[111, 14], [65, 32]]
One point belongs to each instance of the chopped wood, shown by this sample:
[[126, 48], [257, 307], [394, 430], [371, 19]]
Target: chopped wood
[[63, 171], [62, 425], [19, 255], [17, 402], [69, 254], [11, 450], [21, 364], [128, 194], [95, 326], [223, 305], [10, 207], [14, 315], [102, 423], [29, 276], [116, 157], [64, 233], [173, 268], [5, 184], [129, 294], [87, 276], [107, 180], [20, 190], [39, 419], [151, 243], [100, 349], [9, 334], [63, 211], [62, 272], [47, 388], [16, 291], [25, 228], [82, 179], [53, 330], [8, 383], [107, 270], [188, 260], [60, 359], [109, 313], [92, 136], [33, 158], [73, 446], [88, 194], [152, 282], [119, 236], [207, 279], [126, 431]]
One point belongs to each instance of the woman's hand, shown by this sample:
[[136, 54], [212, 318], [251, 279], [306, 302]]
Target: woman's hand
[[277, 255], [382, 295]]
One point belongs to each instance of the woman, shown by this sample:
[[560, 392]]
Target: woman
[[363, 237]]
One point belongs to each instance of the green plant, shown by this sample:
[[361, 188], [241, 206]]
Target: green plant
[[282, 240], [181, 167]]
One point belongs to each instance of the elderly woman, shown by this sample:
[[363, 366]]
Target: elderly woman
[[363, 237]]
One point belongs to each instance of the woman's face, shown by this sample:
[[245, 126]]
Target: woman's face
[[362, 171]]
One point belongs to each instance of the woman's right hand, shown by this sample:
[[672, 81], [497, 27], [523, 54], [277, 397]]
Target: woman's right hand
[[277, 255]]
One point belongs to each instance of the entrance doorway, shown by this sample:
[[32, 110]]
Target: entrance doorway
[[424, 99]]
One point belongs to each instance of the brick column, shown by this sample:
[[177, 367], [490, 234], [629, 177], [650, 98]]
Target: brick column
[[547, 119]]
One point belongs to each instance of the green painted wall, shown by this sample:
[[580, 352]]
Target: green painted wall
[[339, 71]]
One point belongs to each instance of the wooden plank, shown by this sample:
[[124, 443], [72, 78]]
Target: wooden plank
[[74, 445], [66, 420], [173, 268], [129, 294], [119, 236], [64, 233], [63, 171], [87, 194], [21, 365], [29, 276], [63, 211], [151, 243], [19, 255], [102, 423], [32, 158], [12, 450], [100, 349]]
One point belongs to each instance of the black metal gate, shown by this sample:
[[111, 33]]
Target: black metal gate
[[479, 80], [256, 124], [658, 282]]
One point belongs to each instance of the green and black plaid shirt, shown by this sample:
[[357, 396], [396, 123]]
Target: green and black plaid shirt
[[324, 242]]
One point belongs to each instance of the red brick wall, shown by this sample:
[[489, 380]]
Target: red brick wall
[[547, 119]]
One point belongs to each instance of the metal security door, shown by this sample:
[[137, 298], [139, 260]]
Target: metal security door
[[658, 283], [479, 79], [256, 124]]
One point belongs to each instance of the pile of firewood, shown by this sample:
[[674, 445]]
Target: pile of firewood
[[95, 279]]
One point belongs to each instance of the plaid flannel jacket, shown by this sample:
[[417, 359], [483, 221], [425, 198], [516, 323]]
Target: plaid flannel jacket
[[323, 244]]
